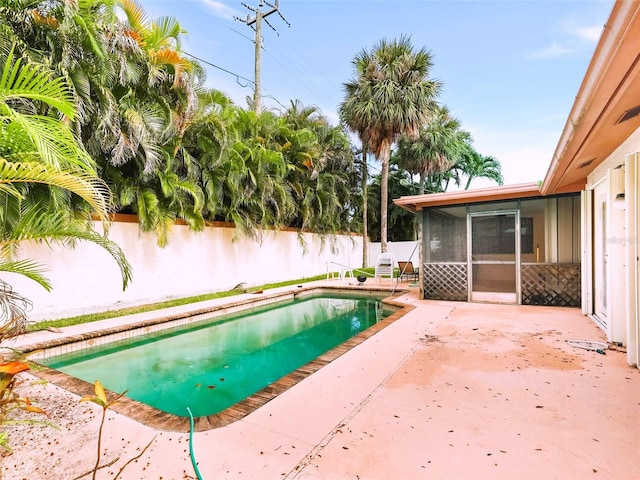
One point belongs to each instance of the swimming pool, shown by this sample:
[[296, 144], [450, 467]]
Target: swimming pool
[[213, 365]]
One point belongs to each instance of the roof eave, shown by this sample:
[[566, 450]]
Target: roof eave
[[591, 132], [414, 203]]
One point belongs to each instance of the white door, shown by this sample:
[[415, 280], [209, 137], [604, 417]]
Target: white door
[[600, 268]]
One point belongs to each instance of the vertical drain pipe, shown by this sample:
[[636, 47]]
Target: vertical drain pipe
[[193, 458]]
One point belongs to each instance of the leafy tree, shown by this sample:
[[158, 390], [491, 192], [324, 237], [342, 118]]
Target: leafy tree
[[42, 168], [200, 151], [300, 116], [321, 176], [440, 182], [254, 193], [133, 91], [475, 165], [169, 149], [391, 95], [155, 111], [439, 145]]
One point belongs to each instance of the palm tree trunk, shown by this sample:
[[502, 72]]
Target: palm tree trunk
[[384, 196], [365, 199]]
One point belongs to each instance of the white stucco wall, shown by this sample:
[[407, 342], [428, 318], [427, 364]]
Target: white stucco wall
[[622, 285], [403, 251], [86, 279]]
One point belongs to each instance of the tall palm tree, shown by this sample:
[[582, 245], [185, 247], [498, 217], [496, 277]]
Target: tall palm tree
[[391, 95], [439, 145], [475, 165]]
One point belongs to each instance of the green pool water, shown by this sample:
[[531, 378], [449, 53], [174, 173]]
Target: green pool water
[[213, 365]]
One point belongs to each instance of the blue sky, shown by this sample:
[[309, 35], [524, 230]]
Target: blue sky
[[510, 68]]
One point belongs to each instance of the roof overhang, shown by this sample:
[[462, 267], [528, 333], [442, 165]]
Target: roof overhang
[[414, 203], [609, 92]]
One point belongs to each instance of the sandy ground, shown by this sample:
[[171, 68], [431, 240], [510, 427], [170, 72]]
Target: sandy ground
[[452, 390]]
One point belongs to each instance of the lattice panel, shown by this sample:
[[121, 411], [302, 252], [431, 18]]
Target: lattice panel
[[551, 284], [445, 281]]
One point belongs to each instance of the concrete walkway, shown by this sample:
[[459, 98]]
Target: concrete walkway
[[451, 390]]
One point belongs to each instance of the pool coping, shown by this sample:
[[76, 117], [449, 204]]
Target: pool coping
[[161, 420]]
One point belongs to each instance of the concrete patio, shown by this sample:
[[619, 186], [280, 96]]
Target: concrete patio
[[450, 390]]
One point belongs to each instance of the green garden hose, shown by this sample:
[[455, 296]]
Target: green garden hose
[[193, 458]]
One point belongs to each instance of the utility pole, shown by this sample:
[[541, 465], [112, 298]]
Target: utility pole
[[257, 21]]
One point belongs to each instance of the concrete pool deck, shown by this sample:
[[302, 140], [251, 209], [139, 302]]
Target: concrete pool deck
[[450, 390]]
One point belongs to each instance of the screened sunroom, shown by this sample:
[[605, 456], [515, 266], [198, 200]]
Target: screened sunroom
[[484, 248]]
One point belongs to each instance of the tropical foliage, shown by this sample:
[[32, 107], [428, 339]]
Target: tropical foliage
[[392, 95], [168, 149], [475, 165], [171, 150], [44, 173], [401, 222], [403, 182], [439, 145]]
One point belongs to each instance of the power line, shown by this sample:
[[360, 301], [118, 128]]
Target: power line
[[301, 54], [241, 34], [238, 77], [293, 68], [292, 74]]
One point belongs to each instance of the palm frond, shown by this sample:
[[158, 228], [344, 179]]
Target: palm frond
[[165, 31], [51, 141], [93, 190], [59, 228], [29, 269], [13, 311], [136, 16], [32, 82]]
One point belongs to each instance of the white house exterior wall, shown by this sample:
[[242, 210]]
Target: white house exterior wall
[[86, 279], [632, 191], [620, 170]]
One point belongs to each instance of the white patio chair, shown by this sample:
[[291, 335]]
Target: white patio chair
[[343, 272], [384, 266]]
